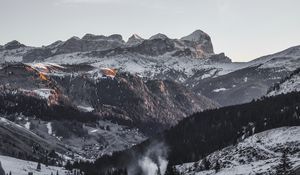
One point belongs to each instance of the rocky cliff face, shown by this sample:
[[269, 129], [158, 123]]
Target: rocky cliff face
[[200, 42], [134, 40], [90, 42], [13, 45], [129, 97], [126, 97]]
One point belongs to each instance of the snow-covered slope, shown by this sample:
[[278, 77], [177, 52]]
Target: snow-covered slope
[[153, 67], [23, 167], [286, 85], [13, 55], [256, 154], [99, 139], [286, 60], [26, 143]]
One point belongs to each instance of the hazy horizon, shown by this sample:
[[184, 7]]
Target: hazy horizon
[[243, 30]]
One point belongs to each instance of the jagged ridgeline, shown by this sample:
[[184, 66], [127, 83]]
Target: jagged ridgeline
[[205, 132]]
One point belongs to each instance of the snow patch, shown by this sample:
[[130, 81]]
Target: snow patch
[[44, 93], [22, 167], [27, 125], [220, 90], [49, 127], [85, 108]]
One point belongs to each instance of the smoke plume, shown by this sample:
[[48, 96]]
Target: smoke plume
[[152, 162]]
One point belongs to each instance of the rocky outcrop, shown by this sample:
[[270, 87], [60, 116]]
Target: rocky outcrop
[[134, 40], [200, 42], [89, 43], [13, 45], [158, 36], [220, 58], [155, 102], [154, 47], [37, 54]]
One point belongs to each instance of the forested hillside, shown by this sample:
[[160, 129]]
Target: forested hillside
[[208, 131]]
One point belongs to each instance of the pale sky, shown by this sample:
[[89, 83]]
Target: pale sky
[[243, 29]]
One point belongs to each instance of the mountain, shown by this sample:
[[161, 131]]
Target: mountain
[[134, 40], [78, 107], [189, 61], [90, 42], [160, 44], [126, 97], [106, 104], [257, 154], [249, 80], [200, 41], [13, 45]]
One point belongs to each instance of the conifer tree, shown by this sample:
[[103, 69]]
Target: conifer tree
[[206, 164], [171, 171], [284, 167], [38, 166], [217, 166]]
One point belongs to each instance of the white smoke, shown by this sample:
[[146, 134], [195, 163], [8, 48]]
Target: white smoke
[[152, 162], [163, 165], [148, 166]]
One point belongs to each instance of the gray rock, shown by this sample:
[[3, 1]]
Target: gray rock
[[134, 40], [13, 45], [90, 43], [200, 41], [158, 36]]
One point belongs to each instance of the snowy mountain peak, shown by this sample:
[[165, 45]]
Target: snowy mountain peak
[[134, 40], [158, 36], [200, 41]]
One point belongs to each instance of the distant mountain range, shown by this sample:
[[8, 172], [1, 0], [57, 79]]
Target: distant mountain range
[[190, 61]]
